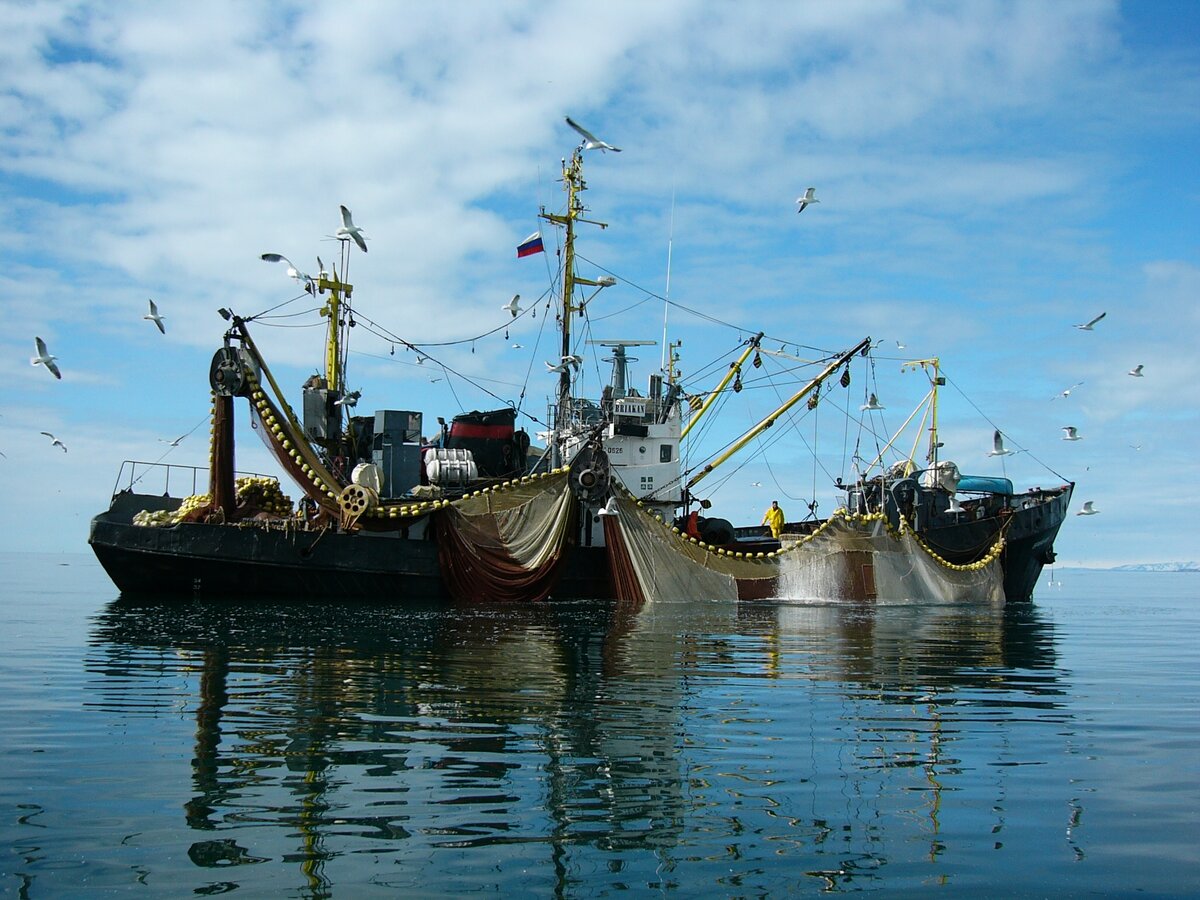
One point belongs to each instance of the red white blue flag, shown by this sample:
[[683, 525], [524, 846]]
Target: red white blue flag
[[530, 246]]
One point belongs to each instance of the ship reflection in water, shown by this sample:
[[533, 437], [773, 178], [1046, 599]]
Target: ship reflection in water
[[718, 747]]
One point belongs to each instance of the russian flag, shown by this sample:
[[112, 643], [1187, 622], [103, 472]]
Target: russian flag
[[530, 246]]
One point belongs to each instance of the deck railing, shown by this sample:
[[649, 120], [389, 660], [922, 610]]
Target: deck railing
[[147, 476]]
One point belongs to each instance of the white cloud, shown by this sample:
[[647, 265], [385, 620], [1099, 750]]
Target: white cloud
[[967, 159]]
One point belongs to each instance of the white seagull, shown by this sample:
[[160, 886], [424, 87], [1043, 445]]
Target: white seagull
[[1067, 392], [55, 442], [590, 141], [574, 361], [517, 346], [1087, 326], [804, 201], [1071, 433], [1136, 371], [350, 231], [998, 448], [154, 317], [513, 306], [560, 368], [872, 404], [293, 273], [174, 443], [44, 358], [349, 401], [1088, 509]]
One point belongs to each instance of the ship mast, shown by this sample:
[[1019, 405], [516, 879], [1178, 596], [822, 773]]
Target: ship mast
[[936, 380], [339, 292], [574, 184]]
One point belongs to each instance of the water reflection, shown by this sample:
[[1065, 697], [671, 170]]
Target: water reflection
[[602, 744]]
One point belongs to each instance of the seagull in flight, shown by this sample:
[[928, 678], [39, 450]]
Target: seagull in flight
[[349, 401], [998, 448], [804, 201], [1071, 433], [55, 442], [154, 317], [1067, 392], [293, 273], [560, 368], [872, 403], [1136, 371], [590, 141], [44, 358], [350, 231], [174, 443], [756, 484], [513, 306], [1087, 326], [518, 346], [1088, 509], [574, 361]]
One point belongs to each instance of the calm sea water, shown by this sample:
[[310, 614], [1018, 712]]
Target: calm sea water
[[713, 749]]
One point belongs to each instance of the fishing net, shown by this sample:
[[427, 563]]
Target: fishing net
[[506, 544], [848, 558]]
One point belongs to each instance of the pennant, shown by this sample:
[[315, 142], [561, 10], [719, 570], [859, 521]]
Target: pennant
[[530, 246]]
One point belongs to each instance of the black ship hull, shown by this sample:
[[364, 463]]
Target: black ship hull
[[239, 561], [1029, 526], [233, 561]]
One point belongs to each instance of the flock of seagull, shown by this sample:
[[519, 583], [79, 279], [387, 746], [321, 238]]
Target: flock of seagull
[[350, 231], [50, 362], [347, 232], [1070, 432]]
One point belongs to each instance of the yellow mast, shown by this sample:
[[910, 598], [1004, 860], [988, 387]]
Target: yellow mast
[[673, 361], [895, 437], [573, 181], [935, 382], [734, 369], [333, 342], [770, 419]]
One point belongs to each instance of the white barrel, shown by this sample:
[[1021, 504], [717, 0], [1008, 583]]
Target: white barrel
[[454, 467], [367, 475]]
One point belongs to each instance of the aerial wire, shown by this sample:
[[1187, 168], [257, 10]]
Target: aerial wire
[[667, 288]]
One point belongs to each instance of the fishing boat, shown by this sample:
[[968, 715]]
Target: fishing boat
[[607, 509]]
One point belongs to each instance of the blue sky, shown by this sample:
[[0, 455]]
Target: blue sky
[[990, 174]]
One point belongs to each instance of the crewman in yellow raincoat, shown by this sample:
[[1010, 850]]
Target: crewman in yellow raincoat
[[774, 519]]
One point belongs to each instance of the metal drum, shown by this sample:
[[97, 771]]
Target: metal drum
[[450, 467]]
